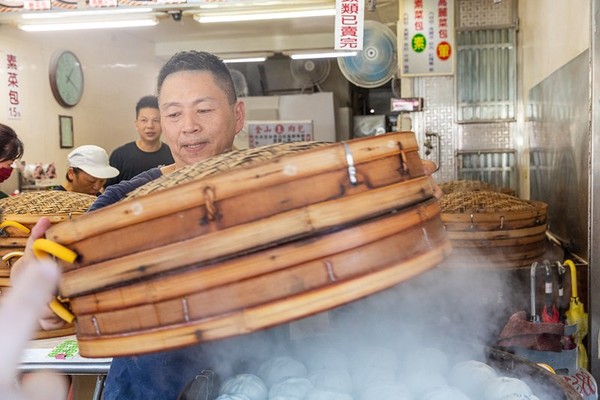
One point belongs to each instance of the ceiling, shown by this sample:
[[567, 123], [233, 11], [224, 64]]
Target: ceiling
[[273, 35]]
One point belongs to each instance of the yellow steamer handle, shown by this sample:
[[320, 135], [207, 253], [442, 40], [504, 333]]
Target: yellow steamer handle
[[577, 315], [15, 224], [573, 270], [41, 249]]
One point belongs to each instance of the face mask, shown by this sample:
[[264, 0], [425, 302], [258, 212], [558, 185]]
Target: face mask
[[5, 173]]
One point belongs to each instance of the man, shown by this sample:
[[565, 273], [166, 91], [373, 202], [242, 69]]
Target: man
[[88, 170], [200, 115], [147, 151]]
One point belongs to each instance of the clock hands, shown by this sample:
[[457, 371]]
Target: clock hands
[[69, 79]]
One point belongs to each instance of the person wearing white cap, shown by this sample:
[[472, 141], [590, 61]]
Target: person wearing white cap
[[88, 170]]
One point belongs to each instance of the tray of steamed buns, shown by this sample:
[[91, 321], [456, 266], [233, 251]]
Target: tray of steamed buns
[[379, 373]]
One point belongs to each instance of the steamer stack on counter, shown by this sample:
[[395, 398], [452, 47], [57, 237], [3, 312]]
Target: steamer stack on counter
[[19, 214], [490, 229], [249, 240]]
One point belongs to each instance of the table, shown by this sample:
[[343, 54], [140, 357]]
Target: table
[[35, 358]]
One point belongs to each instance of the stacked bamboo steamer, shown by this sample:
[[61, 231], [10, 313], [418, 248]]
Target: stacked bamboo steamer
[[249, 240], [19, 214], [490, 229]]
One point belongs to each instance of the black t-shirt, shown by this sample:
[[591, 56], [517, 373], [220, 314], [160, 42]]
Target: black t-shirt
[[131, 161]]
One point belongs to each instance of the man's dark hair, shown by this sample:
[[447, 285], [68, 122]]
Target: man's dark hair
[[76, 171], [11, 147], [199, 61], [146, 102]]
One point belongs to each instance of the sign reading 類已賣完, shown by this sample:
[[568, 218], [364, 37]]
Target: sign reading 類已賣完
[[349, 24], [426, 37]]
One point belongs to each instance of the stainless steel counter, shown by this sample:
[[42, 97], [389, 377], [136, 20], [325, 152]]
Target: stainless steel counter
[[36, 358]]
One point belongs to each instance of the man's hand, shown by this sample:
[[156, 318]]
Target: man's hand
[[32, 289]]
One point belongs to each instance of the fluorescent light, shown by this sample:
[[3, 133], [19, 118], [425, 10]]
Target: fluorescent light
[[244, 60], [333, 54], [85, 13], [229, 17], [245, 56], [67, 26]]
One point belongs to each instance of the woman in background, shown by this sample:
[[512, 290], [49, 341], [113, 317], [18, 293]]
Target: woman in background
[[11, 149]]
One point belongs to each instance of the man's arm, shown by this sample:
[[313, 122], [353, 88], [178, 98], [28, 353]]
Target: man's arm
[[116, 192]]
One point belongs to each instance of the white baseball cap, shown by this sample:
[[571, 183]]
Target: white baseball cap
[[93, 160]]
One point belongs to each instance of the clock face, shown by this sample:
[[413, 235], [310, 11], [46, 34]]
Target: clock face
[[66, 78]]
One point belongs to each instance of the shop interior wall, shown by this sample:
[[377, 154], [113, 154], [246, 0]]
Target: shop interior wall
[[554, 81], [550, 35], [118, 70]]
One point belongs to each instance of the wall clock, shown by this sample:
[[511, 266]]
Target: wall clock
[[66, 78]]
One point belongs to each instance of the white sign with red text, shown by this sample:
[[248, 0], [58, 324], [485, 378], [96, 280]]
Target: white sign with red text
[[426, 33], [37, 5], [349, 24], [102, 3], [261, 133], [12, 80]]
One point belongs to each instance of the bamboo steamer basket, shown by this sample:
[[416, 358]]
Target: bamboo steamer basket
[[304, 228], [490, 229], [19, 214]]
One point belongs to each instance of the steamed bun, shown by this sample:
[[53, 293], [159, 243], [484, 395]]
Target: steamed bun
[[375, 357], [515, 396], [391, 391], [245, 384], [277, 369], [232, 396], [338, 380], [291, 388], [444, 393], [470, 376], [500, 387], [419, 381], [371, 376], [326, 358], [426, 358]]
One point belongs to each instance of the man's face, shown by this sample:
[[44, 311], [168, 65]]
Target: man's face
[[147, 124], [198, 121], [82, 182]]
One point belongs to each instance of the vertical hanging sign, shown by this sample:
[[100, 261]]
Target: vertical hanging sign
[[426, 28], [349, 24], [12, 81]]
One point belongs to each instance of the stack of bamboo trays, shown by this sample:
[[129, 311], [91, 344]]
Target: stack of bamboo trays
[[490, 229], [249, 240]]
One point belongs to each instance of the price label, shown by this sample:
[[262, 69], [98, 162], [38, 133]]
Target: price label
[[37, 5], [103, 3]]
